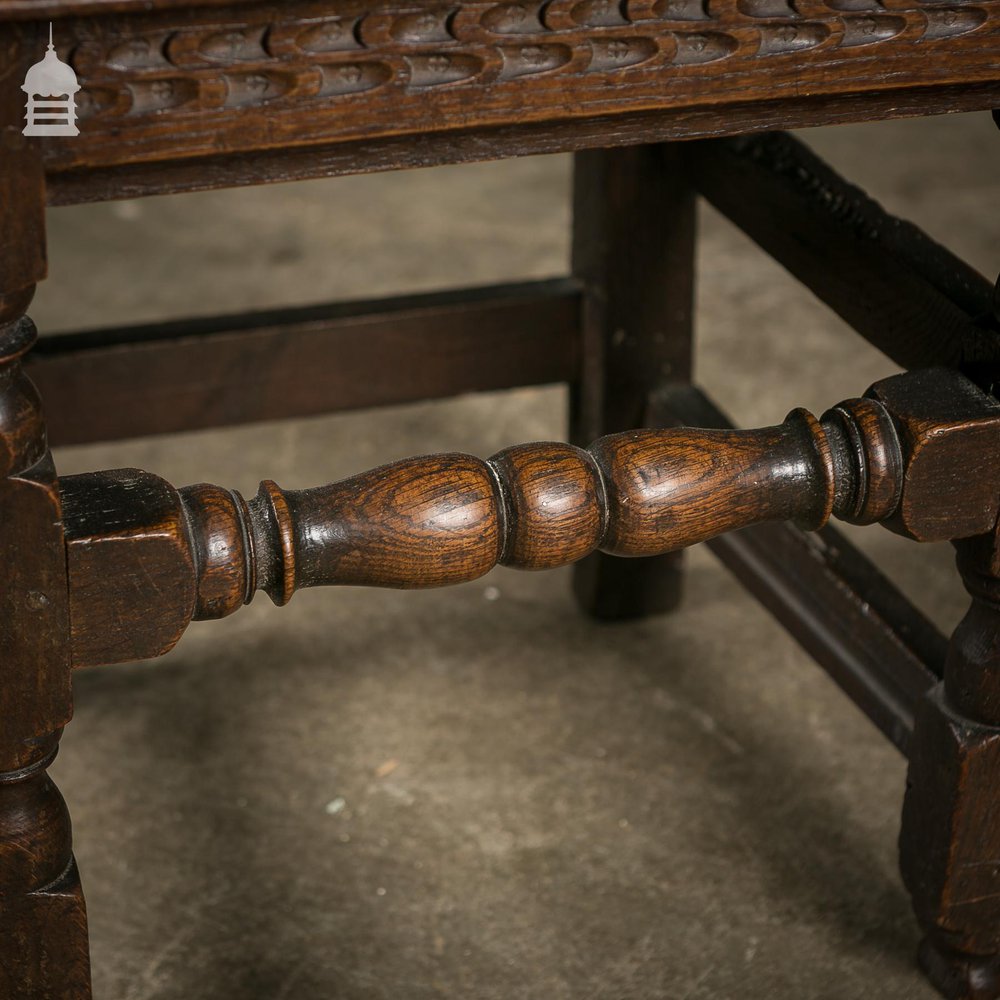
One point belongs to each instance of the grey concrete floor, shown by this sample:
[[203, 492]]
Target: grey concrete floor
[[477, 792]]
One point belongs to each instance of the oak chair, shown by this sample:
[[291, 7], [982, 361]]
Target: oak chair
[[662, 101]]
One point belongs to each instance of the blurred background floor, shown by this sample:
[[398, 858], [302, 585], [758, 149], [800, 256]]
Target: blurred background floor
[[478, 793]]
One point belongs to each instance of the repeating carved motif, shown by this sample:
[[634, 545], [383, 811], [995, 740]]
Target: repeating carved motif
[[317, 57]]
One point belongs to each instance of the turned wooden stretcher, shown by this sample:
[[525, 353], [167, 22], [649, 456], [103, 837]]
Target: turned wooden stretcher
[[180, 96]]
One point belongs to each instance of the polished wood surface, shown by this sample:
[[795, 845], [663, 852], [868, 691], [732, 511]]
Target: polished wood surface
[[106, 384], [904, 292], [144, 558], [182, 96], [43, 922], [633, 252], [22, 202], [881, 651], [478, 144], [950, 839], [206, 82]]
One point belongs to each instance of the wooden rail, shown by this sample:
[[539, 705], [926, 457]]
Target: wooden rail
[[902, 291], [881, 651], [186, 375], [145, 559]]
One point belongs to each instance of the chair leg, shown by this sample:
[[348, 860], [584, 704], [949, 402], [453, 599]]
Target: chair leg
[[44, 953], [950, 837], [43, 926], [633, 249]]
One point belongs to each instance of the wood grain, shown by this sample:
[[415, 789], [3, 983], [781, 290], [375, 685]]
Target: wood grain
[[633, 250], [209, 81], [667, 489], [943, 420], [472, 145], [22, 197], [553, 505], [43, 926], [950, 841], [126, 541], [145, 558], [422, 522], [905, 293], [875, 645], [108, 384]]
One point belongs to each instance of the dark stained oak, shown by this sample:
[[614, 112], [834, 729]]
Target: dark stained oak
[[421, 522], [206, 80], [102, 385], [905, 293], [180, 96], [32, 9], [474, 145], [633, 252], [950, 839], [671, 488], [22, 200], [43, 924], [144, 558], [552, 503], [845, 613], [126, 542], [224, 581], [941, 423]]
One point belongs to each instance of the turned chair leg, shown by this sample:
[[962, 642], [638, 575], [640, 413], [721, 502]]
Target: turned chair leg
[[633, 249], [43, 924], [44, 953], [950, 837]]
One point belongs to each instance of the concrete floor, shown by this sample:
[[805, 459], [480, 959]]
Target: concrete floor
[[477, 793]]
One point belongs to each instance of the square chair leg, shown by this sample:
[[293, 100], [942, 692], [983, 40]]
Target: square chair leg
[[633, 249]]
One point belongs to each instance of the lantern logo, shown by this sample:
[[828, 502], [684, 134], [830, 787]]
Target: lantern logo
[[51, 87]]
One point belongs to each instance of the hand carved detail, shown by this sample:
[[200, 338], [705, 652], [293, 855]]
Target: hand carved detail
[[215, 66]]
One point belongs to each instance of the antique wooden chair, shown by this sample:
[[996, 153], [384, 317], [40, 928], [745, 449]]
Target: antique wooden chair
[[662, 100]]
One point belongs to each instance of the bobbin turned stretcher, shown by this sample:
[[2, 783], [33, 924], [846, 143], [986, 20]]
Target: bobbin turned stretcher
[[180, 96], [144, 558], [438, 520]]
